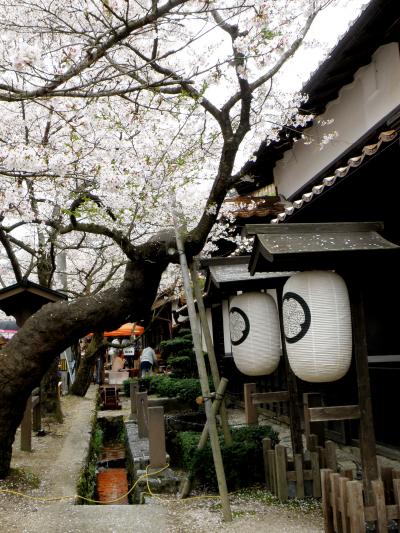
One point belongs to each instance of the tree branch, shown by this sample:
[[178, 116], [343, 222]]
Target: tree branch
[[104, 42], [11, 255]]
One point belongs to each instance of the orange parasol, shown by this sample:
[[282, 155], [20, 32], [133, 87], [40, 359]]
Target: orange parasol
[[125, 330]]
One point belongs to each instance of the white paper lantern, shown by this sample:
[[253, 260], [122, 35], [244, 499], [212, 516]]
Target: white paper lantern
[[255, 333], [317, 325]]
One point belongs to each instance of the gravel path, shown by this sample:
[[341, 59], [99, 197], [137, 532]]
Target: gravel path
[[53, 468]]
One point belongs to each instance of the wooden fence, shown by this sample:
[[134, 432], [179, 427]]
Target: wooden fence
[[299, 477], [344, 508]]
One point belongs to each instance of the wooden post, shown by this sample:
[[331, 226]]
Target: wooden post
[[334, 490], [281, 468], [396, 491], [142, 414], [312, 399], [298, 468], [205, 389], [343, 504], [272, 471], [316, 476], [294, 403], [330, 455], [367, 432], [266, 444], [380, 505], [355, 506], [157, 449], [36, 413], [26, 427], [210, 351], [250, 410], [326, 500], [133, 390]]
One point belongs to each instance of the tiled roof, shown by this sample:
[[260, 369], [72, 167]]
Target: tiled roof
[[378, 24], [328, 181]]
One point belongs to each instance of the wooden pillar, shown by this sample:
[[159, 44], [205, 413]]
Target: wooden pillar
[[142, 414], [26, 427], [250, 409], [312, 399], [367, 432], [36, 413], [294, 403], [157, 449]]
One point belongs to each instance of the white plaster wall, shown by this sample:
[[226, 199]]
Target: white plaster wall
[[374, 93]]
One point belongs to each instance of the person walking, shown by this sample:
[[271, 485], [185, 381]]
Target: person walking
[[147, 361]]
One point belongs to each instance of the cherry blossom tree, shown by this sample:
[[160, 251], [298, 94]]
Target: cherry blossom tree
[[109, 108]]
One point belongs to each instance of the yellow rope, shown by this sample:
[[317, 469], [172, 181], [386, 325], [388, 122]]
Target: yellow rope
[[149, 493], [59, 498]]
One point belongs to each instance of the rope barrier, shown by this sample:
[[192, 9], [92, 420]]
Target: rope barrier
[[143, 476], [60, 498]]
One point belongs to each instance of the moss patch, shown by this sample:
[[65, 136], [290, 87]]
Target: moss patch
[[20, 478]]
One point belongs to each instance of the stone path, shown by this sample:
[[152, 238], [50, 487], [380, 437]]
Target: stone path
[[57, 460]]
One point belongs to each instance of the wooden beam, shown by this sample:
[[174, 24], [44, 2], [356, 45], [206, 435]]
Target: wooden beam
[[269, 397], [341, 412]]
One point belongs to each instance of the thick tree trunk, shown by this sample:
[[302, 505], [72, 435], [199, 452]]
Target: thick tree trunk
[[84, 375], [27, 357]]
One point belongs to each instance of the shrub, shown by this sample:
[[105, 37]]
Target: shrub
[[185, 389], [180, 355], [181, 365], [174, 346], [185, 332], [243, 461]]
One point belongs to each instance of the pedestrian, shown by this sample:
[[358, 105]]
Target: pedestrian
[[147, 361], [118, 362]]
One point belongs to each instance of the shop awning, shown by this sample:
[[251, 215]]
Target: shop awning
[[126, 330]]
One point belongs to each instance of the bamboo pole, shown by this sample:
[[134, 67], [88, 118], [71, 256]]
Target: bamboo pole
[[210, 350], [212, 425], [217, 403]]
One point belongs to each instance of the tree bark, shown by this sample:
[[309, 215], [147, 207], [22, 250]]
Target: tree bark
[[53, 328], [84, 375]]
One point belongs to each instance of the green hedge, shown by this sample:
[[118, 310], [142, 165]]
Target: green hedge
[[173, 346], [243, 461], [185, 389]]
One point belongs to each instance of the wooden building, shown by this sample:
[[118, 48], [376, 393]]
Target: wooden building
[[352, 178]]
